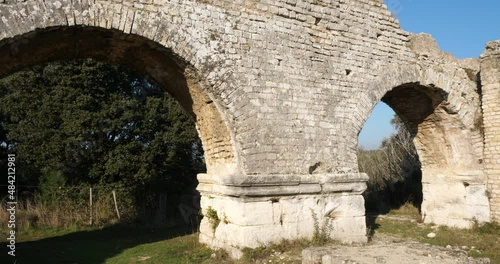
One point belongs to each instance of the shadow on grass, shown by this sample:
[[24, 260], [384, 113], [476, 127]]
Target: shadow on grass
[[371, 224], [94, 246]]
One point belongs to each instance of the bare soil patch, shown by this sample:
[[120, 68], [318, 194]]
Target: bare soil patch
[[388, 249]]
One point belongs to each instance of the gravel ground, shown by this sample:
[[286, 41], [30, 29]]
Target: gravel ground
[[386, 249]]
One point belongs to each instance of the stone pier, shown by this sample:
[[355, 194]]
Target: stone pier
[[253, 211]]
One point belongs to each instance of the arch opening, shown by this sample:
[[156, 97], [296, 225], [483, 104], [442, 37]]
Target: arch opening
[[415, 106], [175, 74], [76, 125], [450, 170], [393, 164]]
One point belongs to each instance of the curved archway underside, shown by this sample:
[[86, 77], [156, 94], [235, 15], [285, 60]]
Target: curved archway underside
[[177, 77], [450, 153]]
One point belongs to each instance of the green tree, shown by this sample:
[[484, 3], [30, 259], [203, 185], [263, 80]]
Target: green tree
[[90, 123]]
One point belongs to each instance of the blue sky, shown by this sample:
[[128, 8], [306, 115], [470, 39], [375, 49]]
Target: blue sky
[[461, 27]]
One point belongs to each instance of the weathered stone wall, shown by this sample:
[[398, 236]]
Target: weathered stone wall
[[150, 37], [293, 79], [269, 84], [286, 75], [279, 91], [490, 81], [255, 211]]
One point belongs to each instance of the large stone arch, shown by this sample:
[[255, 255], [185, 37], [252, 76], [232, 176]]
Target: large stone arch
[[38, 32], [235, 76], [441, 104]]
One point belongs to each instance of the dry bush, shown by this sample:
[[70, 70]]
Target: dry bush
[[393, 170]]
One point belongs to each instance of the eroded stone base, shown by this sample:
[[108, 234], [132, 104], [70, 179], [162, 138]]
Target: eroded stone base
[[456, 200], [271, 213]]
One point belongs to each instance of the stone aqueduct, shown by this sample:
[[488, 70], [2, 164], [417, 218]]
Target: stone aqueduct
[[279, 90]]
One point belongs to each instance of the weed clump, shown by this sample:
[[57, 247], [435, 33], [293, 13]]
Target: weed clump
[[321, 235], [213, 218]]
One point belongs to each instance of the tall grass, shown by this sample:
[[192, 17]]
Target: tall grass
[[67, 208]]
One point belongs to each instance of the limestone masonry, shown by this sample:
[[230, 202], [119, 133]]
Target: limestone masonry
[[280, 90]]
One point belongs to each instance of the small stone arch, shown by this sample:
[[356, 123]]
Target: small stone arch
[[441, 107], [165, 64]]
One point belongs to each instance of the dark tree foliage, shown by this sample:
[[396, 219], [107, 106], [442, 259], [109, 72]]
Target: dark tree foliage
[[79, 123]]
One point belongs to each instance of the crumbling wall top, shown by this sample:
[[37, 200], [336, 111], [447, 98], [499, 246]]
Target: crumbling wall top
[[427, 49], [492, 48]]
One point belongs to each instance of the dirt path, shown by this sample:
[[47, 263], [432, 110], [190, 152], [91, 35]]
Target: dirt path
[[386, 249]]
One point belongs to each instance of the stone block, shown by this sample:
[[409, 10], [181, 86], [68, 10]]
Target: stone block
[[257, 221]]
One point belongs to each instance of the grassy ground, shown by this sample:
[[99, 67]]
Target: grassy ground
[[480, 241], [106, 245], [406, 210], [124, 244]]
